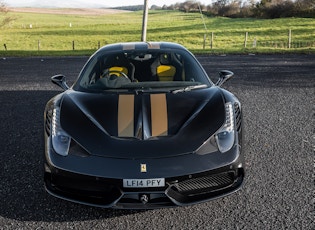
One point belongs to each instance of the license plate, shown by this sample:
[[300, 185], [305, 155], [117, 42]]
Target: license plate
[[144, 183]]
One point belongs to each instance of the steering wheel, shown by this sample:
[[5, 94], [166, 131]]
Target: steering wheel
[[108, 73]]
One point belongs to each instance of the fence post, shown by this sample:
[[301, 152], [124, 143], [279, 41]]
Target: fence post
[[245, 41], [289, 39], [255, 43], [204, 41], [73, 45], [5, 47], [211, 42]]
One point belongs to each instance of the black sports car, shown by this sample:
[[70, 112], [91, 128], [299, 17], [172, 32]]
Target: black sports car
[[143, 127]]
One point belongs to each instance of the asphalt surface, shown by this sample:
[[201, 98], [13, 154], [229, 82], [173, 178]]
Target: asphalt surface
[[278, 98]]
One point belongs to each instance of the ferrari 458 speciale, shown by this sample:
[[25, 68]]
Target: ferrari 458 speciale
[[143, 127]]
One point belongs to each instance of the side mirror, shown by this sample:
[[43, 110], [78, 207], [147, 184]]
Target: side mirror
[[224, 75], [60, 80]]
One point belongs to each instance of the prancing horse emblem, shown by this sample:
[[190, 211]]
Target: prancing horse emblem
[[143, 168]]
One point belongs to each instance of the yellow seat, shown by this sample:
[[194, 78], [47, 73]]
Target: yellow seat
[[165, 72], [165, 68]]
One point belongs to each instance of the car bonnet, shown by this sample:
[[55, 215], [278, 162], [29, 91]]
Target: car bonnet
[[146, 125]]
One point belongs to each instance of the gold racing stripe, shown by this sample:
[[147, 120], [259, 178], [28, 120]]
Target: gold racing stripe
[[129, 46], [159, 115], [126, 116], [153, 45]]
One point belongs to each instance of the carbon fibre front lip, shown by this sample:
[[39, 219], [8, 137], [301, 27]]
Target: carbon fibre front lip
[[126, 199]]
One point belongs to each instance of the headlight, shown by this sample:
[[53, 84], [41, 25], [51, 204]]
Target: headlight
[[225, 136], [60, 139]]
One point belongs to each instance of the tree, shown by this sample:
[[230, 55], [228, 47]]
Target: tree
[[250, 8], [284, 8], [189, 6], [305, 8], [226, 8], [4, 19]]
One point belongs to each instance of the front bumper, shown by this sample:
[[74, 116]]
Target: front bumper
[[189, 179], [109, 192]]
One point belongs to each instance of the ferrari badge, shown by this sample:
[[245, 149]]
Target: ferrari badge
[[143, 168]]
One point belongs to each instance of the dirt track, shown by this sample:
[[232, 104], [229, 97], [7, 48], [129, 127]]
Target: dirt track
[[69, 11]]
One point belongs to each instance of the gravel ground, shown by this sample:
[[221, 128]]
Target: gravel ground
[[277, 94]]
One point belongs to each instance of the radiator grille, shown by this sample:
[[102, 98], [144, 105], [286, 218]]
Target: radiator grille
[[205, 183]]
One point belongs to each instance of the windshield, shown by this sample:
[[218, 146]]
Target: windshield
[[142, 69]]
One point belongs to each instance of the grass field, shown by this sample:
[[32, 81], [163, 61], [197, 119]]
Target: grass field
[[48, 33]]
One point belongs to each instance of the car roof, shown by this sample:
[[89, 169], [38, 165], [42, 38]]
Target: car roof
[[140, 46]]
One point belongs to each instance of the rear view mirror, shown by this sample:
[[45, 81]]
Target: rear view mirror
[[224, 75], [60, 80]]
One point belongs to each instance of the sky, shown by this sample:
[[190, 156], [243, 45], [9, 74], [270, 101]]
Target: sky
[[90, 3]]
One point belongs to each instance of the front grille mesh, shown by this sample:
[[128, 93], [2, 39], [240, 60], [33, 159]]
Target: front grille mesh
[[48, 121], [205, 183], [238, 117]]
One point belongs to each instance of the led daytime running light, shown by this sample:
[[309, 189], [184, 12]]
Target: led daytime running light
[[225, 136], [60, 139], [229, 120]]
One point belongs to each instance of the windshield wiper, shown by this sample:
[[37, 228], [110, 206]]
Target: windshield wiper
[[189, 88], [148, 90]]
